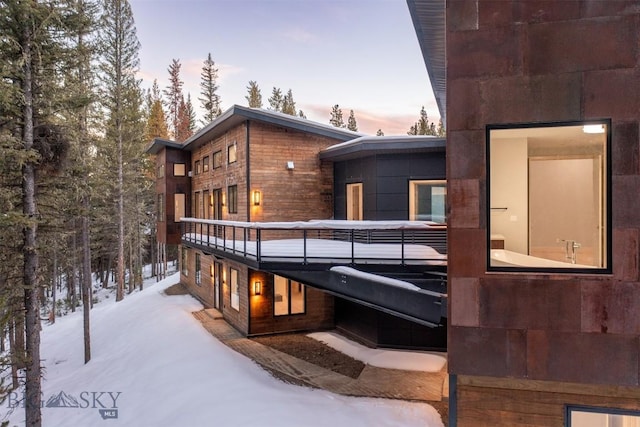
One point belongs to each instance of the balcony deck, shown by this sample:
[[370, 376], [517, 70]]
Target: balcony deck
[[357, 260]]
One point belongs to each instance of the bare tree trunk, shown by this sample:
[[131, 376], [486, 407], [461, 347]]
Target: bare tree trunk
[[33, 387], [86, 280], [52, 315], [14, 355]]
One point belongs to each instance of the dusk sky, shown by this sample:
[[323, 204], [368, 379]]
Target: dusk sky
[[360, 54]]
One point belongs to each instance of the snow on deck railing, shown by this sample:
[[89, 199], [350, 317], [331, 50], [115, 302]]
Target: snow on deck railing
[[322, 241]]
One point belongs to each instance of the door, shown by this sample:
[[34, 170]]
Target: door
[[566, 219], [207, 204], [216, 203], [354, 201]]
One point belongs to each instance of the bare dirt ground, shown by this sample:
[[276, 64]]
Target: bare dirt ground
[[313, 351]]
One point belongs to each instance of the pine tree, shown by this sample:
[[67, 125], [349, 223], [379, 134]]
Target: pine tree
[[440, 131], [351, 122], [423, 126], [276, 100], [379, 133], [288, 104], [186, 120], [38, 44], [122, 100], [156, 120], [173, 94], [336, 117], [254, 97], [209, 90]]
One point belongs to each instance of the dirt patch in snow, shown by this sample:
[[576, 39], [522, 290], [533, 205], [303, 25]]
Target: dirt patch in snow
[[313, 351], [176, 289]]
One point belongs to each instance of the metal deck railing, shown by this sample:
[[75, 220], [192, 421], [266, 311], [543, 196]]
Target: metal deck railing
[[326, 242]]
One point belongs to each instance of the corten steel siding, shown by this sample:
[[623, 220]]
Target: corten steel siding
[[541, 61], [385, 180]]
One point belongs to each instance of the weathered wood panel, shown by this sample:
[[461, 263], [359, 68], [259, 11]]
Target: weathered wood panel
[[484, 401]]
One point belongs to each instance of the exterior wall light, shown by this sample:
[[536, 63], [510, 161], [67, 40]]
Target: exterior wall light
[[257, 287], [211, 200], [224, 199], [256, 196]]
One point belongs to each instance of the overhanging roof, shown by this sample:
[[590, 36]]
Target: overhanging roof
[[238, 114], [429, 22], [370, 145]]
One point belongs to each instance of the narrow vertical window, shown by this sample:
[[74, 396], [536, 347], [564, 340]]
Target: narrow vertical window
[[232, 192], [179, 206], [205, 164], [198, 167], [184, 268], [233, 284], [354, 202], [231, 153], [161, 207], [198, 270], [217, 159]]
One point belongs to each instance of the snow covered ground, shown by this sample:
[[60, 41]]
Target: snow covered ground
[[154, 365]]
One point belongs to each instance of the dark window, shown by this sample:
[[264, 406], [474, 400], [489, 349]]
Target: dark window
[[205, 164], [183, 262], [161, 171], [233, 198], [161, 207], [217, 159], [198, 270]]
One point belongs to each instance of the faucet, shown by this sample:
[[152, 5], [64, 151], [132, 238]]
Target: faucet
[[570, 247]]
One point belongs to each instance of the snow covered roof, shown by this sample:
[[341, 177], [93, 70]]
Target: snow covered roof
[[368, 145], [238, 114]]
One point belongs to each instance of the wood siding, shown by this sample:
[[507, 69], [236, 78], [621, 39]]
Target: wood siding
[[318, 309], [490, 402]]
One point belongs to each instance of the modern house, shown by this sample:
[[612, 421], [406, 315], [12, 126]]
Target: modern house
[[542, 107], [285, 225]]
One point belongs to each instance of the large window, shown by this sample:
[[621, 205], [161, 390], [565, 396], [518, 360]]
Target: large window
[[179, 206], [288, 297], [232, 192], [235, 292], [427, 201], [601, 417], [198, 270], [549, 192]]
